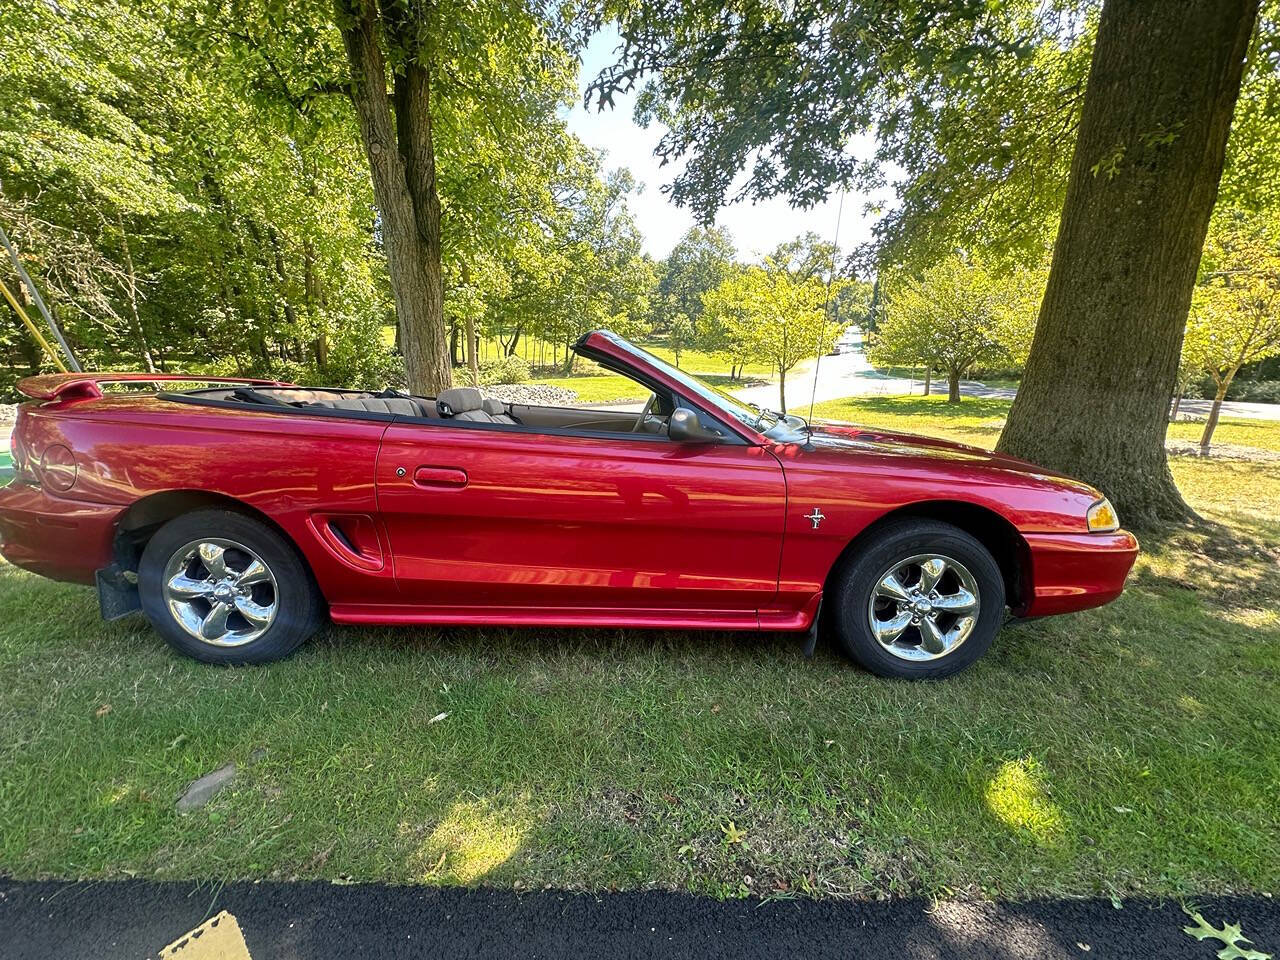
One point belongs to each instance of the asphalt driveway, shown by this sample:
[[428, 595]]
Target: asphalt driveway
[[130, 920]]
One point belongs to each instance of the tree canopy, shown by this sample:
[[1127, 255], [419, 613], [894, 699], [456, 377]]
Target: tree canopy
[[771, 315], [1235, 311], [955, 315]]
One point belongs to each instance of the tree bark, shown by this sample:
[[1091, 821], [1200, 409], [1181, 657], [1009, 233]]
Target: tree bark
[[473, 342], [953, 385], [402, 164], [1214, 412], [511, 345], [1144, 177], [782, 390], [928, 380], [135, 318]]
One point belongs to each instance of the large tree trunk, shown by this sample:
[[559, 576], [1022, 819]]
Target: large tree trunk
[[953, 386], [402, 163], [928, 380], [1153, 132]]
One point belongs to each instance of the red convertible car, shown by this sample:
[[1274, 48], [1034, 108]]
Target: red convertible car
[[240, 514]]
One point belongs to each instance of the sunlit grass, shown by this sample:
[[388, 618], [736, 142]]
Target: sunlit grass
[[470, 842], [1016, 796]]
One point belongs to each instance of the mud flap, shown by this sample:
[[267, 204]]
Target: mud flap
[[117, 592], [811, 638]]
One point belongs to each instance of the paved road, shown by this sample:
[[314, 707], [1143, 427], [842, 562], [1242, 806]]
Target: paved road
[[850, 375], [131, 920]]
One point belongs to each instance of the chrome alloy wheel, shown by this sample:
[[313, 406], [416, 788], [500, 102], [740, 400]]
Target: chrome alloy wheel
[[220, 592], [924, 607]]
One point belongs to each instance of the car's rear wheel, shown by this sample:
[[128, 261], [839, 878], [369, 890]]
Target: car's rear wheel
[[223, 587], [921, 600]]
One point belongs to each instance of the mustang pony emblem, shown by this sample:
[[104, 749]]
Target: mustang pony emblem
[[816, 517]]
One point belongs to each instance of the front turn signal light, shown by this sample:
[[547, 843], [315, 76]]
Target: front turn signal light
[[1102, 518]]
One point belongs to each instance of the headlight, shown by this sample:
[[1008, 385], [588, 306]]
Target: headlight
[[1102, 518]]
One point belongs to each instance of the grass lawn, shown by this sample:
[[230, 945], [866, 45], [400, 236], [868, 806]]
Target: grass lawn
[[1130, 749], [593, 384], [978, 420]]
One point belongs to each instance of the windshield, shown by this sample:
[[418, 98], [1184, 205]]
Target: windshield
[[776, 426]]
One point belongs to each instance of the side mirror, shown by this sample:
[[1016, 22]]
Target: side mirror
[[683, 426]]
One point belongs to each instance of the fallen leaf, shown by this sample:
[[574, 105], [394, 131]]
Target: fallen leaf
[[437, 718], [103, 710], [1231, 936]]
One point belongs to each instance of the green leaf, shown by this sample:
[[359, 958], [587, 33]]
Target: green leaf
[[1231, 936]]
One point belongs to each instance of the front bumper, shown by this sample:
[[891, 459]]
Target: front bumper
[[1072, 572], [56, 538]]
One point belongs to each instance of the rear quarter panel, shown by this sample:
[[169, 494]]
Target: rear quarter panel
[[291, 467]]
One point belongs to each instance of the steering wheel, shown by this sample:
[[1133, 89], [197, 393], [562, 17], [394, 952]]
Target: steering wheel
[[644, 414]]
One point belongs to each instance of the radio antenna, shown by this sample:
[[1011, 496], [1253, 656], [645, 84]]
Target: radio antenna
[[826, 304]]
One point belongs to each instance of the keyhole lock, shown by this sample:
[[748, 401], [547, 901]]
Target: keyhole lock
[[400, 471]]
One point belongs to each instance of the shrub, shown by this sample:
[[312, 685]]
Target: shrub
[[511, 369], [1256, 391], [1250, 391]]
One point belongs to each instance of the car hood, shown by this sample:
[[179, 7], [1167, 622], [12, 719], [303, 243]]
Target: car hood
[[946, 456]]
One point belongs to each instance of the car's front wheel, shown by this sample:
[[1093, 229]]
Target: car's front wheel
[[921, 600], [223, 587]]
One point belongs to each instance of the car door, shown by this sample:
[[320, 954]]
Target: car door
[[493, 516]]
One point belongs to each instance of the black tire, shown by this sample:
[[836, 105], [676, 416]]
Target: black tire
[[850, 602], [290, 593]]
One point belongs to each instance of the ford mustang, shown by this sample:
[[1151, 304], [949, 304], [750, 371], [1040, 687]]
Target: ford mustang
[[239, 514]]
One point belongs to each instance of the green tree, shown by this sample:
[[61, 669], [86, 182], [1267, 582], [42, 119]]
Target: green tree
[[698, 263], [1235, 312], [594, 273], [679, 335], [954, 316], [451, 102], [772, 317], [180, 221]]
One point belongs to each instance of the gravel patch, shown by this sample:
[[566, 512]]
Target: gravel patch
[[538, 394], [1222, 451]]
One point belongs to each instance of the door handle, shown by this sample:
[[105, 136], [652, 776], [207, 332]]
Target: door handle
[[436, 478]]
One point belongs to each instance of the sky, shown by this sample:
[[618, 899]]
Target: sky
[[756, 228]]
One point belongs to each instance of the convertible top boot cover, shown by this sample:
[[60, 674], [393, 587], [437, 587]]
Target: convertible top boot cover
[[469, 403]]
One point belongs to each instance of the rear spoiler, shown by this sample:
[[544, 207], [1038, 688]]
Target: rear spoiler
[[88, 386]]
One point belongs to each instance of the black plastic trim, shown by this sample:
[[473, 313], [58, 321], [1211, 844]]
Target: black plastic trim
[[287, 410], [525, 430], [522, 429]]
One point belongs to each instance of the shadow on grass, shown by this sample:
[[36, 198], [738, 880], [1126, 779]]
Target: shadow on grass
[[1127, 748]]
